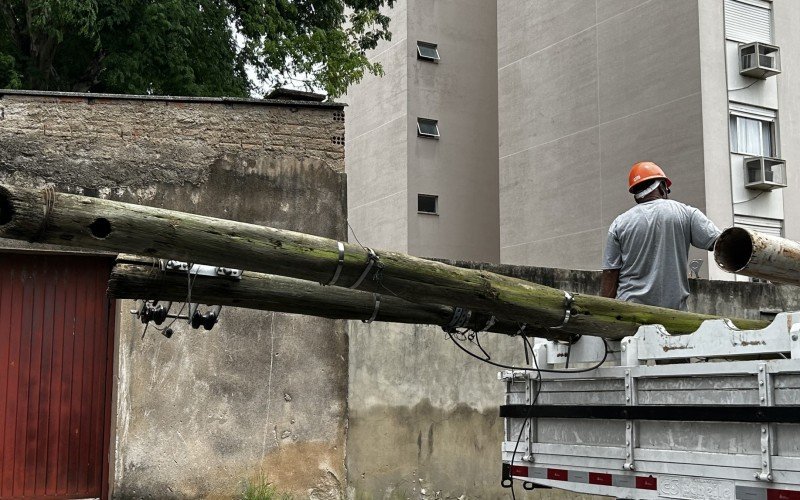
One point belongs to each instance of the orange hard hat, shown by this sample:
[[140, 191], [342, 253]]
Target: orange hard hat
[[645, 171]]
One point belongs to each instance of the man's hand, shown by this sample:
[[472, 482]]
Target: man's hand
[[609, 282]]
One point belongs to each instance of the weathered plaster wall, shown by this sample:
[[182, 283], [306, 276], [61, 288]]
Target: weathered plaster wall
[[200, 413], [423, 416]]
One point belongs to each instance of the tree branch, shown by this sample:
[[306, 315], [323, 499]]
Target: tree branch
[[10, 18]]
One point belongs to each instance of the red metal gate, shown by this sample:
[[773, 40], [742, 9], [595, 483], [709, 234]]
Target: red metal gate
[[56, 351]]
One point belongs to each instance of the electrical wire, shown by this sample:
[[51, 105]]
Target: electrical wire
[[523, 368], [538, 371], [527, 421], [749, 199], [190, 279], [746, 87]]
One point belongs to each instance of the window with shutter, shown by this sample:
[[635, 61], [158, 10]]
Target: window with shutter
[[748, 21], [773, 227]]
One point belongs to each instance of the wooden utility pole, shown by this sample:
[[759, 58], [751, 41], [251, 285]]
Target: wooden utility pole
[[135, 277], [64, 219]]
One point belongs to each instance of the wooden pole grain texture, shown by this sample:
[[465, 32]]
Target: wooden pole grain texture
[[80, 221], [135, 277]]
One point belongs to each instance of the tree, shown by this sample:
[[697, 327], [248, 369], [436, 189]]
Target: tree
[[187, 47]]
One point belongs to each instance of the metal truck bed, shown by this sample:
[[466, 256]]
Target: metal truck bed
[[709, 415]]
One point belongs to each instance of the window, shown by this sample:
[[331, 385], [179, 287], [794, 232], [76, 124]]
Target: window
[[427, 51], [428, 128], [764, 225], [427, 204], [748, 21], [753, 131]]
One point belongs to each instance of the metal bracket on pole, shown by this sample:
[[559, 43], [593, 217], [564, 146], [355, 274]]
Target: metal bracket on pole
[[630, 425], [199, 269], [765, 399]]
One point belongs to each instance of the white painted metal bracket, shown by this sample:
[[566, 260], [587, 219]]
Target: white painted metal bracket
[[199, 269]]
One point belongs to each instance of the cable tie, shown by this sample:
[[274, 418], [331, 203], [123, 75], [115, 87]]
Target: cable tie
[[459, 320], [521, 329], [567, 311], [377, 297], [339, 265], [373, 258]]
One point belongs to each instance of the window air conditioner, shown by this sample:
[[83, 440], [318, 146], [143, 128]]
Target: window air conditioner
[[764, 173], [759, 60]]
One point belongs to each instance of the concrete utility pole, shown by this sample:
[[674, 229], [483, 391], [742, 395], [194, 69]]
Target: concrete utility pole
[[64, 219]]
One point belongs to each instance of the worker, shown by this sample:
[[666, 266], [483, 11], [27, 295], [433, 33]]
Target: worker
[[647, 250]]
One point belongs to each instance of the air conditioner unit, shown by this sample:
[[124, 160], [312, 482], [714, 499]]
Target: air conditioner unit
[[764, 173], [759, 60]]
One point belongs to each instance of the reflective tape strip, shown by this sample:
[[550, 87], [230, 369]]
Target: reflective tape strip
[[622, 481], [578, 476], [519, 470], [648, 482], [600, 478], [782, 495], [748, 493]]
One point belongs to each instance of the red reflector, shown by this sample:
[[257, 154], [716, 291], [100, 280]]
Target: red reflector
[[519, 470], [598, 478], [557, 474], [783, 495], [646, 483]]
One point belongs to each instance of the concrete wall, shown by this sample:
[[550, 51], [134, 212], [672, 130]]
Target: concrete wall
[[586, 89], [199, 414]]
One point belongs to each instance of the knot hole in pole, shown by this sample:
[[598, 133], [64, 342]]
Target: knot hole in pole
[[100, 228]]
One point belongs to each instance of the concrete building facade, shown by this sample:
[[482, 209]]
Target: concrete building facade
[[584, 90], [422, 140]]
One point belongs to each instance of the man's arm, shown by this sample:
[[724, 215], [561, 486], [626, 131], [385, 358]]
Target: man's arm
[[704, 233], [609, 282]]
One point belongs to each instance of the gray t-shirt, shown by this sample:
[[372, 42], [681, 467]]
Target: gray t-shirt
[[649, 244]]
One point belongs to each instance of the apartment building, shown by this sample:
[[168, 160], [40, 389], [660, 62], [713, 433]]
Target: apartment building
[[583, 89], [421, 141]]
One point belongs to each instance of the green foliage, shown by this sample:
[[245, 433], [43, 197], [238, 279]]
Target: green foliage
[[261, 489], [187, 47]]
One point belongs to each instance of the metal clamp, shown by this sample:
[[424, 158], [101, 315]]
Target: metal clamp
[[339, 265], [199, 269], [568, 299], [373, 258], [377, 297]]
